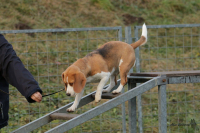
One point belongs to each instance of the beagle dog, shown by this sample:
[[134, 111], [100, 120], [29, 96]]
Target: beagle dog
[[111, 59]]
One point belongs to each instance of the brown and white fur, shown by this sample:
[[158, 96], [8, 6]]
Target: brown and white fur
[[105, 63]]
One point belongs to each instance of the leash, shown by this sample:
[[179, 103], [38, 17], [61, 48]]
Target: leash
[[6, 92], [53, 93], [42, 95]]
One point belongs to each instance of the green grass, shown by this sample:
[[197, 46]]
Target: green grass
[[94, 13]]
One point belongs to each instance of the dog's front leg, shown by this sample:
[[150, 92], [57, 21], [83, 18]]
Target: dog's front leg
[[76, 102], [102, 83]]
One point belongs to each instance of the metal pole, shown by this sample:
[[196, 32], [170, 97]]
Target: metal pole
[[162, 106], [132, 110], [128, 38], [123, 116], [139, 99], [123, 104], [139, 105]]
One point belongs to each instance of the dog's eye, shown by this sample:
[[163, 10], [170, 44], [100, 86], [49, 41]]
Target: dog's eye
[[71, 84]]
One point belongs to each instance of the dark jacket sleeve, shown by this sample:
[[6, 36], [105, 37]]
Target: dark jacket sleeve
[[14, 71]]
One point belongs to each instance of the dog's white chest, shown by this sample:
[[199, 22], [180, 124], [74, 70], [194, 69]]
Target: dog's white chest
[[97, 77]]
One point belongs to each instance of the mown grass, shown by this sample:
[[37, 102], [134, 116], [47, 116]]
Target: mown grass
[[94, 13], [47, 55]]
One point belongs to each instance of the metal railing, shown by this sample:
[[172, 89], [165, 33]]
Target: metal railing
[[130, 96]]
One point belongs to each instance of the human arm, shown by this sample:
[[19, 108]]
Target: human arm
[[16, 74]]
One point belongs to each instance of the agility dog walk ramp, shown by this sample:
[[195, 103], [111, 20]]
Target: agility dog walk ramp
[[148, 80], [61, 113]]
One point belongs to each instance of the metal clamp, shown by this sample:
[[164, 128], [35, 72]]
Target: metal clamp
[[162, 80]]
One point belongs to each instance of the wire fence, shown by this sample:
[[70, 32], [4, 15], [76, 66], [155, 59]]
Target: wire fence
[[46, 54], [171, 48]]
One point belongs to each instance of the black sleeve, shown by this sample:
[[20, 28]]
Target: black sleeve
[[14, 71]]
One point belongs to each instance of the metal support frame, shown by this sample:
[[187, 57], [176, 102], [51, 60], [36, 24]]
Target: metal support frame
[[59, 30], [162, 108], [139, 98], [105, 106], [128, 39], [123, 104], [130, 96], [46, 119], [132, 110], [89, 114], [162, 104], [169, 26]]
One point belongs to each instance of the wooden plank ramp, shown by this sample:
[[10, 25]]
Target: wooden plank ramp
[[66, 116], [62, 116], [107, 95], [168, 74]]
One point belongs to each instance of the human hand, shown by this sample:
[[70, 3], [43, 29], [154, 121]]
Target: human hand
[[37, 97]]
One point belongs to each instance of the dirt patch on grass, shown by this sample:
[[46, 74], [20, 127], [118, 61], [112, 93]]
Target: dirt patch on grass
[[129, 19]]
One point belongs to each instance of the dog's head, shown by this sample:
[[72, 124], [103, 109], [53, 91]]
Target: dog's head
[[74, 80]]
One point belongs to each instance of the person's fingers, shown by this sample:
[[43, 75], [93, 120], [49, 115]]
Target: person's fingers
[[37, 97], [34, 98]]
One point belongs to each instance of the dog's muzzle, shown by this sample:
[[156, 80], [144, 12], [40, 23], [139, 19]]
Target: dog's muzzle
[[68, 94]]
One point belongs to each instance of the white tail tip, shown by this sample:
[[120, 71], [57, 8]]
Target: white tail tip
[[144, 31]]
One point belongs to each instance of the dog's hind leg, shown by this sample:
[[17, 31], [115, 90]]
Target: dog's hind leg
[[111, 85], [123, 76], [76, 102], [124, 69]]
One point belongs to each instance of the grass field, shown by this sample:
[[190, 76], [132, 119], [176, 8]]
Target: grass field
[[47, 55]]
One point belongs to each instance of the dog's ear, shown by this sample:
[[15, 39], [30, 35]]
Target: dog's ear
[[63, 76], [64, 81], [80, 81]]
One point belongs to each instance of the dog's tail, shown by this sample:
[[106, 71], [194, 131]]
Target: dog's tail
[[143, 38]]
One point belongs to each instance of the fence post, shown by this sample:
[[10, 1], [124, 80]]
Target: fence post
[[162, 108], [132, 102], [139, 99], [132, 109], [128, 38], [137, 51], [123, 104]]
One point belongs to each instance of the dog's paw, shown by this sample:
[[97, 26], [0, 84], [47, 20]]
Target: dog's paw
[[97, 98], [115, 92], [71, 109]]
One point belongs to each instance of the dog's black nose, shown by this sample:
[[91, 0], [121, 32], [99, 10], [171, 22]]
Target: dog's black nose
[[68, 94]]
